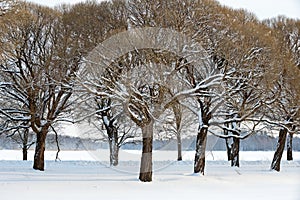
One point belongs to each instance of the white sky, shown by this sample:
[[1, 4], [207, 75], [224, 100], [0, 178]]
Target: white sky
[[267, 8], [261, 8]]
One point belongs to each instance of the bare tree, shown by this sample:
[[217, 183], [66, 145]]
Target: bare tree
[[285, 114], [105, 19], [206, 86], [39, 66], [140, 79], [14, 128], [119, 130], [287, 32], [175, 123], [23, 138]]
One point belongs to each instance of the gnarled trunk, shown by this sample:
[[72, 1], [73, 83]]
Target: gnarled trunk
[[39, 162], [146, 160], [290, 147], [199, 163], [279, 150]]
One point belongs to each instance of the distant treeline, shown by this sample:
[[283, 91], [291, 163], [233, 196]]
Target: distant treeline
[[253, 143]]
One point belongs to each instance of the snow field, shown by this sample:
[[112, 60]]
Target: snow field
[[80, 176]]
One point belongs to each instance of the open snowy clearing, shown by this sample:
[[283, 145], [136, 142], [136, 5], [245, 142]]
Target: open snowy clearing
[[86, 175]]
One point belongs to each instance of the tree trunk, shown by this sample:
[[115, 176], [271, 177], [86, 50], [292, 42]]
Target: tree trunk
[[228, 148], [112, 133], [116, 155], [179, 147], [113, 153], [235, 151], [200, 150], [228, 143], [290, 147], [279, 150], [146, 160], [25, 143], [39, 161], [235, 147], [178, 119], [24, 150]]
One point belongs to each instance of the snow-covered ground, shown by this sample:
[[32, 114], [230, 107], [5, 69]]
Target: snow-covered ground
[[86, 175]]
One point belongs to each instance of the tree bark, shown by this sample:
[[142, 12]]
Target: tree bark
[[199, 164], [39, 162], [228, 143], [290, 147], [279, 150], [235, 147], [179, 147], [25, 143], [235, 151], [228, 148], [146, 160], [112, 133], [24, 152]]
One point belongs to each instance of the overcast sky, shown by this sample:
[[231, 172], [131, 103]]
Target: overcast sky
[[267, 8], [261, 8]]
